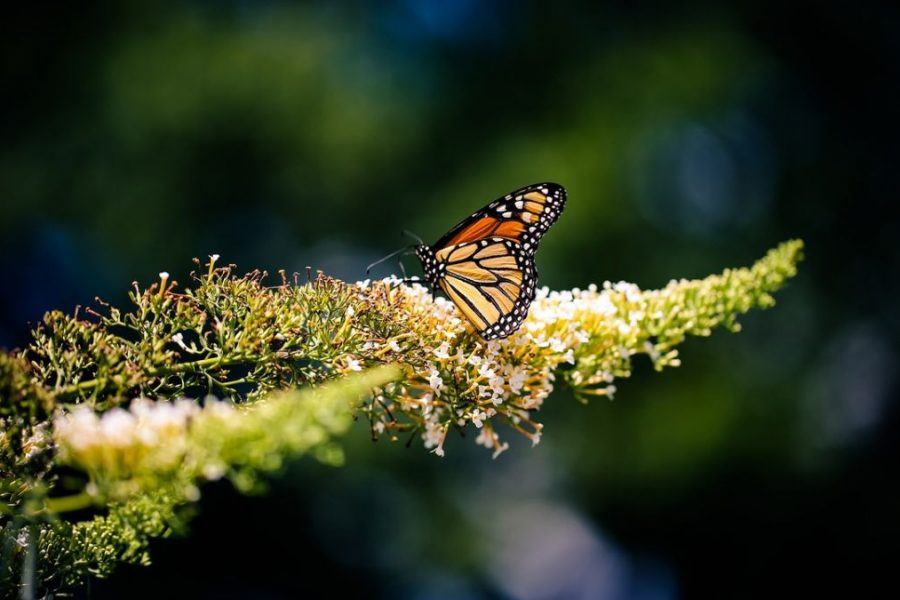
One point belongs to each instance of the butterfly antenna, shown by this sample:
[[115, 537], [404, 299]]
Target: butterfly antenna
[[388, 257], [409, 233]]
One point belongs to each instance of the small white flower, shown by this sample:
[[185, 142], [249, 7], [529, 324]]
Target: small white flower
[[517, 380], [178, 338], [435, 381], [557, 345], [478, 418], [484, 438], [443, 351], [485, 371], [213, 257], [540, 341], [496, 384], [393, 345], [500, 449], [433, 435], [353, 364], [423, 404]]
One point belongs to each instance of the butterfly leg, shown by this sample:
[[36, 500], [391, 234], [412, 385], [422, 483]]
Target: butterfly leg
[[407, 279]]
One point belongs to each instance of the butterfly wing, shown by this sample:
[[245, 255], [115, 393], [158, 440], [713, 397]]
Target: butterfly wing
[[485, 264], [491, 281], [522, 216]]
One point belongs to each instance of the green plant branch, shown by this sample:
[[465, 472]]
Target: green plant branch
[[70, 503], [143, 468], [186, 367], [109, 397]]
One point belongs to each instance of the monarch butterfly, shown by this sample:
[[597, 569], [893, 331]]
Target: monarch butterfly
[[485, 264]]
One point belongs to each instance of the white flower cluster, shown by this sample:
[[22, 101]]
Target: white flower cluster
[[147, 437], [510, 377]]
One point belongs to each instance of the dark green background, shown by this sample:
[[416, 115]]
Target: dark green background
[[690, 139]]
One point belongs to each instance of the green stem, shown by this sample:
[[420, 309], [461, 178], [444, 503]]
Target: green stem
[[186, 367], [69, 503], [90, 384]]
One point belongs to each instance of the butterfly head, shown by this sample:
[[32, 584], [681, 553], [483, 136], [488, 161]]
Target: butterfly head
[[430, 266]]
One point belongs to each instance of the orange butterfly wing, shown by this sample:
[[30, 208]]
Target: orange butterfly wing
[[491, 282], [480, 229], [485, 264], [522, 216]]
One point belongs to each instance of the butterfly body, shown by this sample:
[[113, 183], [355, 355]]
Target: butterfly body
[[485, 264]]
